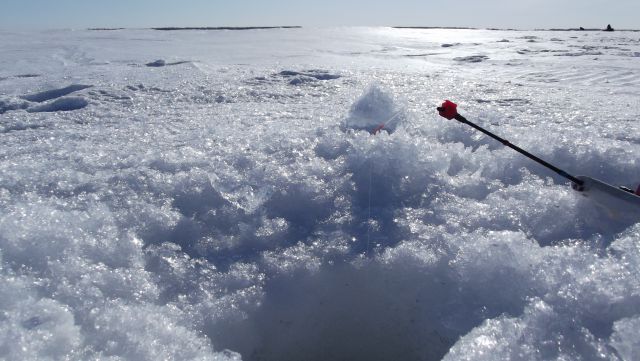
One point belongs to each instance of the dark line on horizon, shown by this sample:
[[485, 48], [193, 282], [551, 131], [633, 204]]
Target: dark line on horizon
[[218, 28], [227, 28]]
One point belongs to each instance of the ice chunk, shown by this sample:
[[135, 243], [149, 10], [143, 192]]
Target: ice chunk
[[156, 64], [61, 105], [54, 93]]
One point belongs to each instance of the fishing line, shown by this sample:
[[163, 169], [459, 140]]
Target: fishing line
[[385, 123], [369, 220], [369, 215]]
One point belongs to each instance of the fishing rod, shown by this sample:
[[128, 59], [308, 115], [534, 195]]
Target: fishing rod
[[448, 110]]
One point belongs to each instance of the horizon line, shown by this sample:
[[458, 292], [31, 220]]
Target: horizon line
[[270, 27]]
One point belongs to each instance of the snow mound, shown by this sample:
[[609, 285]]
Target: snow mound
[[374, 111]]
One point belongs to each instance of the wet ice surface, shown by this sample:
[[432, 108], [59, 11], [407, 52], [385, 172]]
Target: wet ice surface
[[235, 206]]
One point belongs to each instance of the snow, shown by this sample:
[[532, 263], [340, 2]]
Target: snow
[[217, 195]]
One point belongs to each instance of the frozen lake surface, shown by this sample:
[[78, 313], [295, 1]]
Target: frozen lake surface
[[215, 195]]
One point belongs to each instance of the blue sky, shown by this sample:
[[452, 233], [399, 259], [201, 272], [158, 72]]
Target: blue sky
[[524, 14]]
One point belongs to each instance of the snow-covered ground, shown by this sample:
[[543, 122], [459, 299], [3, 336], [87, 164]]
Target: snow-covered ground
[[208, 195]]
